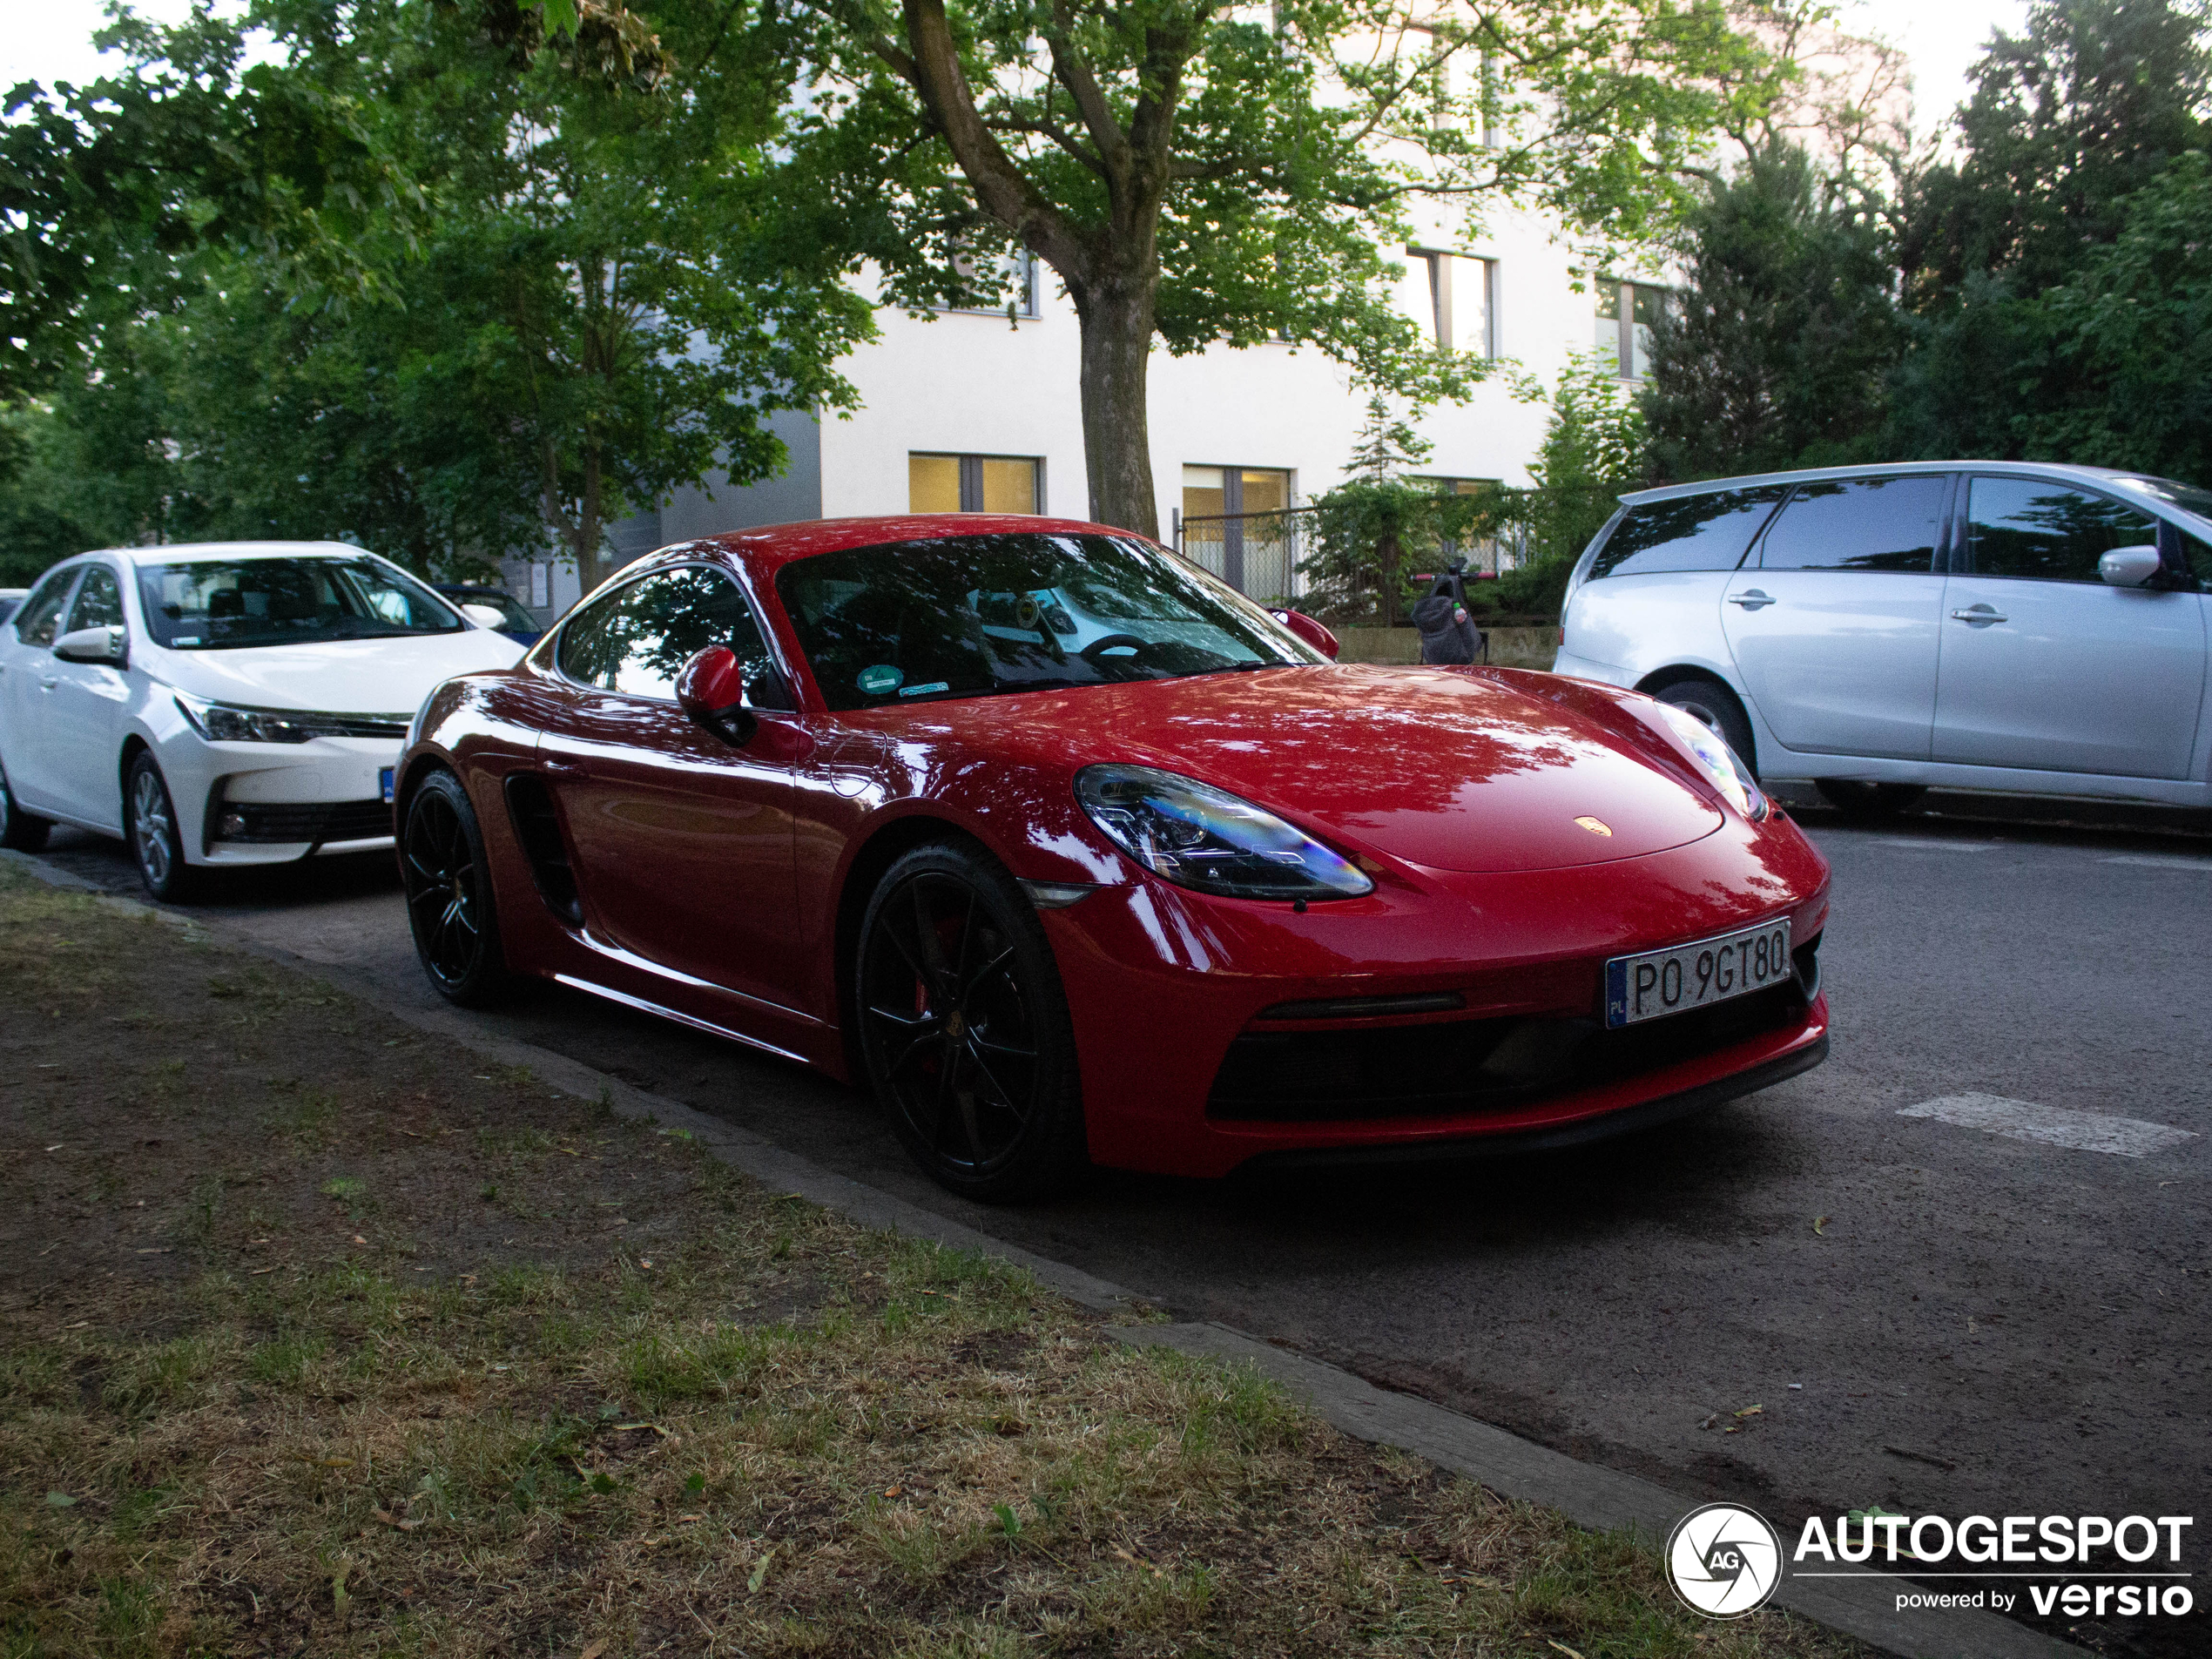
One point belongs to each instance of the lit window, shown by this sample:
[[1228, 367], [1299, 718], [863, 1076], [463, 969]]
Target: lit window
[[939, 483]]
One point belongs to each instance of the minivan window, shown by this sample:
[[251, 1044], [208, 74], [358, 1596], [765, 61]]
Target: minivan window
[[40, 618], [2037, 530], [1858, 524], [1708, 532]]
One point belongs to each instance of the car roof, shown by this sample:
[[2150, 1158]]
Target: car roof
[[773, 546], [1815, 474], [192, 552]]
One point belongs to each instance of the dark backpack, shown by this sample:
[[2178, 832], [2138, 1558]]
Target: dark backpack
[[1449, 637]]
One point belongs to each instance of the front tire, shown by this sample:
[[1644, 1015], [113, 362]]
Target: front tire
[[1712, 703], [20, 832], [964, 1028], [1869, 803], [448, 895], [156, 838]]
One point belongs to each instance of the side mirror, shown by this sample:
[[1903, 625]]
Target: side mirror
[[1310, 630], [485, 616], [710, 690], [2129, 566], [90, 645]]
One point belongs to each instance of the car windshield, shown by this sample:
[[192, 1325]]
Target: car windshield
[[972, 615], [2189, 498], [227, 604]]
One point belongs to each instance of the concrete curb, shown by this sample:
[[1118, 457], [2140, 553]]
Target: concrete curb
[[1587, 1494]]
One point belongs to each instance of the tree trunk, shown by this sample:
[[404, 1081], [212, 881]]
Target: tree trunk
[[1117, 315]]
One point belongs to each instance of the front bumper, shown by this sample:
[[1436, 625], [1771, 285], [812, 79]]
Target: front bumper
[[265, 803], [1162, 984]]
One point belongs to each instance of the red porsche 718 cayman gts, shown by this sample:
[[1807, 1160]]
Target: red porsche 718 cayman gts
[[1077, 855]]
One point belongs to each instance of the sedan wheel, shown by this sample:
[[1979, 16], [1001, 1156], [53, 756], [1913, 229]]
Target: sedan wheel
[[156, 841], [448, 894], [964, 1028]]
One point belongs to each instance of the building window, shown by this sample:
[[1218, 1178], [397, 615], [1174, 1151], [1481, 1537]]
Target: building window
[[973, 484], [1234, 523], [1454, 297], [999, 283], [1625, 313]]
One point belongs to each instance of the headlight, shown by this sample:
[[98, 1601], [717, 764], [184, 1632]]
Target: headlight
[[1717, 760], [222, 722], [1198, 836]]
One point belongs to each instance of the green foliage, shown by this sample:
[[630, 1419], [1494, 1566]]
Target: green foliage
[[1367, 530], [1775, 352]]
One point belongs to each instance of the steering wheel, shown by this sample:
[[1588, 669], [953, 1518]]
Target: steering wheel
[[1098, 648]]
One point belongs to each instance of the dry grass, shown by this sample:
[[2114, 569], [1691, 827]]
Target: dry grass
[[323, 1337]]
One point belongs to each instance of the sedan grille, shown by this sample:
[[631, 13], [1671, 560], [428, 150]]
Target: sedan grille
[[317, 821]]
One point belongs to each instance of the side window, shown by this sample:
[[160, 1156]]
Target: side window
[[99, 601], [1707, 532], [2046, 532], [40, 618], [638, 639], [1858, 524]]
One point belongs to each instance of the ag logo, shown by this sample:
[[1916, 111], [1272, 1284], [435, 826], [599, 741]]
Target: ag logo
[[1724, 1560]]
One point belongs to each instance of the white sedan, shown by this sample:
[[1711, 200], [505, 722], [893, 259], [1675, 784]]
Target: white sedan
[[2015, 627], [226, 703]]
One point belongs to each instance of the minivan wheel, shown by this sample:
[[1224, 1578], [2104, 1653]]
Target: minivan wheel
[[1869, 802], [1712, 703], [19, 831], [448, 894], [157, 838], [964, 1029]]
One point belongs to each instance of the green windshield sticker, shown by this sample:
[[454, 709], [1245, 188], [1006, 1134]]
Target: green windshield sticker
[[879, 678]]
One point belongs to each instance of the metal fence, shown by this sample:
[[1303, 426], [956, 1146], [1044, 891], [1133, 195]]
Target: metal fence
[[1255, 553]]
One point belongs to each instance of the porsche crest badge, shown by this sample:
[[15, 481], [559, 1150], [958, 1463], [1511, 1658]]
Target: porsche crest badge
[[1596, 827]]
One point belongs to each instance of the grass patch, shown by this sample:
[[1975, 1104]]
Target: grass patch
[[408, 1355]]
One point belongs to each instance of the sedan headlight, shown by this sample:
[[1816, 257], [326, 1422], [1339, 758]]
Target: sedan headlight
[[223, 723], [1717, 760], [1198, 836]]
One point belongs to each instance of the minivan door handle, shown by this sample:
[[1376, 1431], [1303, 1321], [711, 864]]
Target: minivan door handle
[[1750, 598], [1979, 613]]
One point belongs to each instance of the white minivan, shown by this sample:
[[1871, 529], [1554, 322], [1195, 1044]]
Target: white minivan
[[226, 704], [2005, 626]]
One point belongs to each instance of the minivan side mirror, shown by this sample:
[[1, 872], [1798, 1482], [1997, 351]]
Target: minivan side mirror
[[91, 645], [2130, 567], [710, 690]]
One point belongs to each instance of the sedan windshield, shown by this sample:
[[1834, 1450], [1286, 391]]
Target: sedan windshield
[[971, 615], [226, 604]]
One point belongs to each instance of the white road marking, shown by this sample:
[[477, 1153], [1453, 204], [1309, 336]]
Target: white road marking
[[1939, 846], [2023, 1120], [2157, 861]]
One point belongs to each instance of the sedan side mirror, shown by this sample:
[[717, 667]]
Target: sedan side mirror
[[1309, 630], [484, 615], [2130, 567], [91, 645], [710, 690]]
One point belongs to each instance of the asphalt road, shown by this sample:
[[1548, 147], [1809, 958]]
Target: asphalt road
[[1932, 1317]]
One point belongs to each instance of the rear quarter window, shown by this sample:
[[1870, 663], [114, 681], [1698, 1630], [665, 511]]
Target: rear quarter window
[[1709, 532]]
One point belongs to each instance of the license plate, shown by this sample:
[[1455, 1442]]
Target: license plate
[[384, 782], [1661, 982]]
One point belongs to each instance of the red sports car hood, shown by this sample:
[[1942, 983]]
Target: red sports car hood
[[1457, 771]]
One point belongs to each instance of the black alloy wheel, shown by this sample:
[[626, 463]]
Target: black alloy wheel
[[20, 832], [1869, 803], [964, 1028], [157, 838], [448, 894], [1711, 703]]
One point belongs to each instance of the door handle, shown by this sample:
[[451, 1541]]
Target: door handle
[[1750, 598], [1979, 613], [562, 769], [47, 683]]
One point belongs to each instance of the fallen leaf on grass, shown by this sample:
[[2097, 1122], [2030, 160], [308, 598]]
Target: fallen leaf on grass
[[594, 1651], [1820, 1225], [60, 1500], [391, 1520], [1750, 1411], [760, 1573], [358, 1239], [258, 1271], [625, 1428], [1564, 1648], [892, 1492]]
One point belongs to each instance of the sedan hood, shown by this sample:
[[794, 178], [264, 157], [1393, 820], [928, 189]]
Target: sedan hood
[[387, 677], [1453, 771]]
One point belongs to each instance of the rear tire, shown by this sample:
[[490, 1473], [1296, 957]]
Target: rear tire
[[156, 837], [1712, 703], [20, 831], [1869, 803], [449, 905], [964, 1029]]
